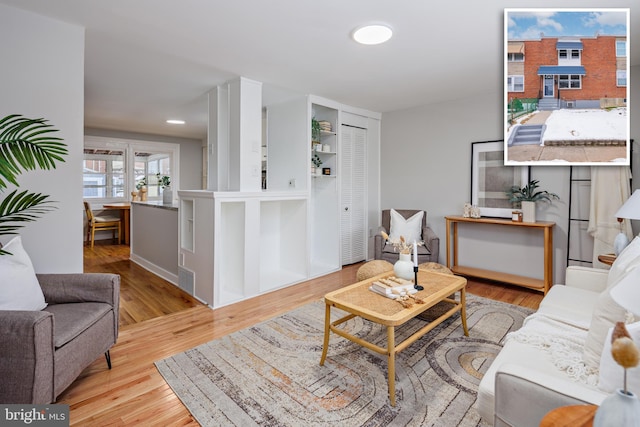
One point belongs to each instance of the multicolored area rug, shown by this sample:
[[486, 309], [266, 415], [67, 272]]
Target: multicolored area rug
[[269, 374]]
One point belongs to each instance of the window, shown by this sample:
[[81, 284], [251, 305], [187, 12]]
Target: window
[[515, 83], [621, 48], [569, 53], [103, 174], [621, 77], [147, 166], [112, 167], [515, 57], [569, 81]]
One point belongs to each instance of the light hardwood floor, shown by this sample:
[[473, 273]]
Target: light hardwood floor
[[158, 320]]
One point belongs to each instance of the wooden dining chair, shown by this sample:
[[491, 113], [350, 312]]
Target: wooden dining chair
[[100, 223]]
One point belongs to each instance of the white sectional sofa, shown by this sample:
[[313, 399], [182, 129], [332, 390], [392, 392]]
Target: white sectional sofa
[[555, 358]]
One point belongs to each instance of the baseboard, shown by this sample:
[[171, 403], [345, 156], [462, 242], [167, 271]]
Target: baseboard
[[158, 271]]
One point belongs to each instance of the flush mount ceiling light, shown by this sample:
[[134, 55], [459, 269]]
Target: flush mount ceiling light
[[372, 34], [175, 122]]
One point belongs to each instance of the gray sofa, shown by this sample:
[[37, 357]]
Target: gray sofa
[[429, 252], [43, 352]]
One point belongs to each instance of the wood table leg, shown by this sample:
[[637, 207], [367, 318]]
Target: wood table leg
[[327, 322], [391, 365], [463, 311]]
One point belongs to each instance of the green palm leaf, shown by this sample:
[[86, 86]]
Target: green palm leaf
[[27, 144], [17, 208]]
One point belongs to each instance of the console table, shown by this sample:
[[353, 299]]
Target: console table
[[527, 282]]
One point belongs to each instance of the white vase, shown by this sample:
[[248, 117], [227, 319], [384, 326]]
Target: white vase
[[167, 196], [403, 268], [528, 211], [619, 410]]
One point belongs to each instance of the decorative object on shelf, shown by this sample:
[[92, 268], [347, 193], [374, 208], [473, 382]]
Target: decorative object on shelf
[[325, 125], [317, 147], [27, 145], [326, 171], [315, 129], [527, 196], [622, 408], [490, 178], [629, 210], [317, 162], [475, 211], [134, 196], [164, 182], [143, 194], [326, 148]]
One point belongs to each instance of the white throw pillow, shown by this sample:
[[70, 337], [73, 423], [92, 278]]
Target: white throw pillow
[[19, 287], [605, 315], [410, 228], [612, 374]]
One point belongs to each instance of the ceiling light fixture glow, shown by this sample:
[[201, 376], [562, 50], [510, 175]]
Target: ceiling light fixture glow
[[175, 122], [372, 34]]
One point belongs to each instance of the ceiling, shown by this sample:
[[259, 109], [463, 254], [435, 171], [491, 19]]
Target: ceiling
[[150, 60]]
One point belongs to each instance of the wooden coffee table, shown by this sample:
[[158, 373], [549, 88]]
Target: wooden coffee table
[[358, 300]]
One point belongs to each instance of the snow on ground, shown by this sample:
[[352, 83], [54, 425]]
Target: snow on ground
[[593, 124]]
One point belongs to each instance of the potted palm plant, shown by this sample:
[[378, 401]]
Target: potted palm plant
[[527, 197], [25, 144]]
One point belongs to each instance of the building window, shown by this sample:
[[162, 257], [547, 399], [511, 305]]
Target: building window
[[569, 81], [515, 57], [103, 174], [515, 84], [569, 53], [621, 77], [621, 48]]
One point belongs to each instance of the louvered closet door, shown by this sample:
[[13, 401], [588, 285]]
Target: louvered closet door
[[353, 221]]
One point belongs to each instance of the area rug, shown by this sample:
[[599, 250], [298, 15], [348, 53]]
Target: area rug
[[269, 374]]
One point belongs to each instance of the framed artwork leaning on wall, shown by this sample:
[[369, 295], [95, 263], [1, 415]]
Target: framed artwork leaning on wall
[[490, 179]]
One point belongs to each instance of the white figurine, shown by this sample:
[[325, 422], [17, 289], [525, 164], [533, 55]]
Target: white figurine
[[466, 213]]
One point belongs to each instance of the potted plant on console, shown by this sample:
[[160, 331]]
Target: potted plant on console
[[527, 197]]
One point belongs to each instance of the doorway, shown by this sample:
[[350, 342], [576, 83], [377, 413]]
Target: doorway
[[549, 86], [353, 209]]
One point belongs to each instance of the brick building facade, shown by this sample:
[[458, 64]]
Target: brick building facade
[[576, 72]]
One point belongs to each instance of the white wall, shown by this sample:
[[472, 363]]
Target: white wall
[[190, 153], [426, 164], [43, 76]]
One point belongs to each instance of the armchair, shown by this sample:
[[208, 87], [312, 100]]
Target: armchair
[[429, 252], [43, 352]]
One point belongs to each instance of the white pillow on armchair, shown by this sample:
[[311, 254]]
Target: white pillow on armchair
[[410, 228], [19, 286]]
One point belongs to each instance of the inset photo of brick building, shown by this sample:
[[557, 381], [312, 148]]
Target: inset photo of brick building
[[566, 91]]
